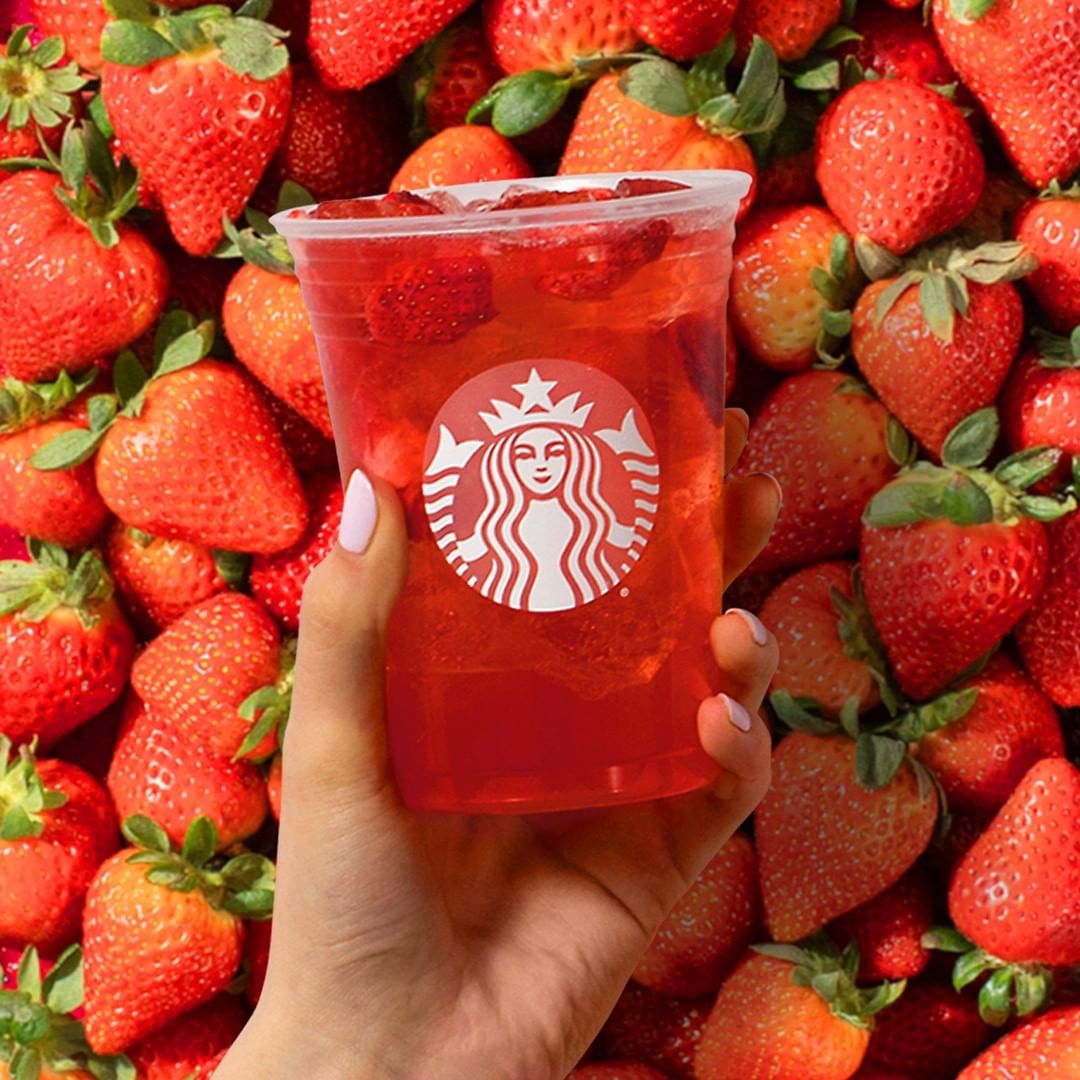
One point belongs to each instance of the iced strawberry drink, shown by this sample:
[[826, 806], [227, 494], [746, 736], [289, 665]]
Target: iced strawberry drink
[[540, 372]]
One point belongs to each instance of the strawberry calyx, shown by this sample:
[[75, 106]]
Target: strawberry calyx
[[259, 243], [819, 965], [839, 286], [23, 405], [23, 796], [1054, 191], [1010, 990], [969, 11], [34, 590], [1056, 351], [34, 85], [267, 709], [37, 1030], [142, 33], [821, 72], [242, 885]]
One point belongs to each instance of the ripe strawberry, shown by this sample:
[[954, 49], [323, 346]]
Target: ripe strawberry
[[881, 176], [1041, 402], [58, 827], [1021, 59], [12, 545], [824, 438], [198, 673], [158, 772], [1046, 1046], [1014, 892], [825, 844], [277, 581], [615, 1070], [65, 649], [947, 851], [981, 757], [788, 179], [208, 1070], [273, 786], [793, 276], [928, 366], [199, 109], [709, 929], [355, 42], [163, 934], [257, 955], [78, 22], [195, 1039], [897, 46], [307, 448], [461, 155], [1049, 636], [791, 27], [682, 30], [813, 663], [1050, 229]]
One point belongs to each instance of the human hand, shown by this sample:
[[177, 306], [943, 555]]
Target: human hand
[[449, 947]]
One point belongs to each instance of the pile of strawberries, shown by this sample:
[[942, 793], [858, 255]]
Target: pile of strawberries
[[906, 305]]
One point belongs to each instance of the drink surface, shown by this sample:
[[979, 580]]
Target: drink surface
[[547, 397]]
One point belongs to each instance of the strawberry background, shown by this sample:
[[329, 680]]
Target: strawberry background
[[906, 312]]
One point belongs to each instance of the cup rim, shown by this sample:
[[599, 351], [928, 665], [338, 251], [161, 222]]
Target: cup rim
[[705, 187]]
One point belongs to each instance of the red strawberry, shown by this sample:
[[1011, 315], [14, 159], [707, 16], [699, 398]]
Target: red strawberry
[[825, 843], [200, 671], [199, 129], [277, 581], [192, 1040], [1047, 1046], [1021, 59], [789, 179], [791, 27], [257, 955], [1050, 229], [682, 30], [897, 46], [207, 1071], [461, 155], [813, 663], [881, 175], [78, 22], [981, 757], [196, 284], [65, 649], [1041, 402], [58, 827], [273, 786], [824, 438], [158, 772], [709, 929], [1014, 892], [355, 42], [948, 850], [154, 951], [308, 449], [615, 1070], [1049, 636]]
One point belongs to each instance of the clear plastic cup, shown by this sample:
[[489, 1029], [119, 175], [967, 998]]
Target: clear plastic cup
[[545, 388]]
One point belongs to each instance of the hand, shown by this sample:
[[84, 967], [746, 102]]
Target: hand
[[448, 947]]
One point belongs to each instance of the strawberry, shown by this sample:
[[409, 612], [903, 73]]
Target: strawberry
[[1049, 227], [1002, 197], [163, 931], [1049, 636], [12, 545], [94, 285], [158, 772], [208, 1070], [953, 557], [550, 35], [768, 1016], [199, 108], [61, 508], [1047, 1046], [355, 42], [980, 758], [79, 23], [158, 580], [930, 367], [793, 277], [277, 581], [710, 927], [65, 649], [883, 178], [615, 1070], [788, 179], [198, 673], [257, 955], [461, 155], [825, 844], [273, 786], [826, 440], [682, 30], [58, 826], [307, 448], [887, 930], [791, 27], [897, 46], [1021, 59], [948, 849], [813, 663], [173, 1052]]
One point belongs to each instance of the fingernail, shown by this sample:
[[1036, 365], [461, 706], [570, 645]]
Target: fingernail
[[775, 483], [737, 713], [757, 627], [359, 514]]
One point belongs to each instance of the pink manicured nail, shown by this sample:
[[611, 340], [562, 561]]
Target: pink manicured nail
[[737, 713], [757, 627], [359, 514]]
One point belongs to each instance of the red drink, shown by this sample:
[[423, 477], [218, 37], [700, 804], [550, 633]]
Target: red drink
[[544, 387]]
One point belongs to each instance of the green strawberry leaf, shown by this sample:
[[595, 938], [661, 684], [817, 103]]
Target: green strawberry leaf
[[1056, 351], [970, 11], [905, 502], [801, 714], [899, 443], [251, 904], [945, 939], [969, 443], [143, 832], [526, 101], [1032, 987], [1026, 468], [117, 1067], [659, 84], [200, 842], [62, 989], [129, 377], [232, 566], [250, 46], [965, 503], [708, 75], [878, 759], [25, 1063], [28, 979], [189, 348], [133, 44], [995, 998], [68, 449], [248, 871], [970, 966], [1046, 508]]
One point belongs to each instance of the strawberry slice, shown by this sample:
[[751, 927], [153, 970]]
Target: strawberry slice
[[633, 186], [523, 197], [397, 204]]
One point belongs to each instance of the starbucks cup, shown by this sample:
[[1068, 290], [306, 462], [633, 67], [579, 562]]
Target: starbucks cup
[[544, 386]]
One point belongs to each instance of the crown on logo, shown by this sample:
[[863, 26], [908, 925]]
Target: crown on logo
[[536, 407]]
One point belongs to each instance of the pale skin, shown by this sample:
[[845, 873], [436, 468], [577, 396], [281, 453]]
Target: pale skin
[[445, 947]]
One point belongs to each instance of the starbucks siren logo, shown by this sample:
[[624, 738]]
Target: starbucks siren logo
[[541, 483]]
